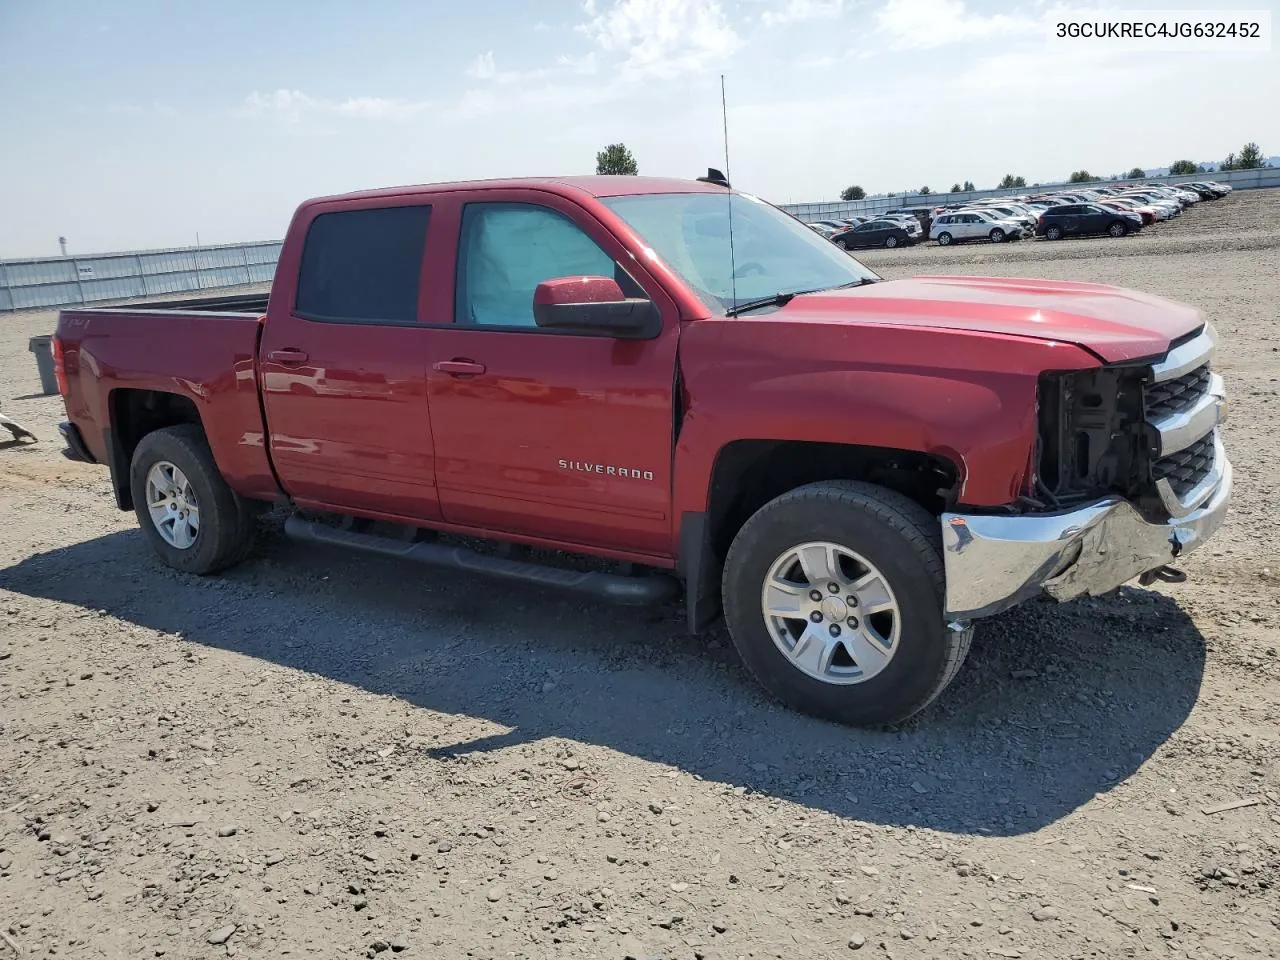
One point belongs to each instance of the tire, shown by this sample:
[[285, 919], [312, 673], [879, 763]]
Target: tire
[[845, 245], [944, 239], [227, 524], [996, 235], [1118, 229], [890, 242], [1053, 233], [898, 540]]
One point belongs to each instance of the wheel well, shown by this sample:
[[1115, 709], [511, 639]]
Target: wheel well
[[750, 473], [134, 414]]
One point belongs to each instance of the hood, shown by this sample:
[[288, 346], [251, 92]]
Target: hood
[[1113, 323]]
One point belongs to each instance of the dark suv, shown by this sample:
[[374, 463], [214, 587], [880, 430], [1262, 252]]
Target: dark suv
[[1085, 219]]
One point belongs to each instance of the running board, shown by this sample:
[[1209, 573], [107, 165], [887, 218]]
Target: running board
[[629, 590]]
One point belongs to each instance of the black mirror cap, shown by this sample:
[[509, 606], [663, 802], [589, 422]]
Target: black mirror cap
[[631, 319], [714, 176]]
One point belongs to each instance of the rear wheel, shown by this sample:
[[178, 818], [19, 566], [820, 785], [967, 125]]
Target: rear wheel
[[1053, 233], [195, 522], [1118, 229], [944, 239], [833, 595], [996, 235]]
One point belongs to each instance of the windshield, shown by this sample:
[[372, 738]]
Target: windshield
[[772, 252]]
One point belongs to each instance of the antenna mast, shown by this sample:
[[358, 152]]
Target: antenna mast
[[728, 175]]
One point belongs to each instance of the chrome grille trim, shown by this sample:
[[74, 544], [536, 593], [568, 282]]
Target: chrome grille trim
[[1180, 429], [1184, 414], [1181, 360]]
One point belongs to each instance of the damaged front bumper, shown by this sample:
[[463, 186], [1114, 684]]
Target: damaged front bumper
[[996, 562]]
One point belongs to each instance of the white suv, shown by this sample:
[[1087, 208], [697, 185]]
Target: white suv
[[975, 225]]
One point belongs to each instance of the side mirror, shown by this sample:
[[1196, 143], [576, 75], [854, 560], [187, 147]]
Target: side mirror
[[593, 305]]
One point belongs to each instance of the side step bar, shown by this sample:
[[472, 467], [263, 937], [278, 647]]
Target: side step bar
[[631, 591]]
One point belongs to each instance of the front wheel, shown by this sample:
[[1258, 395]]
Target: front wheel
[[944, 239], [833, 595], [1118, 229], [890, 242], [996, 235], [195, 522]]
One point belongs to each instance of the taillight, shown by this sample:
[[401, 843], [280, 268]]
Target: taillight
[[59, 366]]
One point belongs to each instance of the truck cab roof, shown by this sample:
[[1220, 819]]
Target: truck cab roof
[[594, 186]]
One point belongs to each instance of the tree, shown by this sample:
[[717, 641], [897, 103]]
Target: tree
[[1011, 181], [853, 193], [1137, 173], [616, 159], [925, 191], [1182, 167], [955, 188], [1250, 157], [1081, 176], [968, 185], [1229, 163]]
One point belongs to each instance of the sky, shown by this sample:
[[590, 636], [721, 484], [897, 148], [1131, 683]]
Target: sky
[[139, 123]]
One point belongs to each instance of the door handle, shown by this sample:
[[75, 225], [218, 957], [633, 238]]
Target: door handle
[[459, 368], [288, 355]]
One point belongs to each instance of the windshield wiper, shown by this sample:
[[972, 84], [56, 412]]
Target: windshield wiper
[[782, 299], [777, 300]]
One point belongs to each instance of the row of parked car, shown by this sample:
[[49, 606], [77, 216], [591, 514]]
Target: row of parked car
[[1115, 210]]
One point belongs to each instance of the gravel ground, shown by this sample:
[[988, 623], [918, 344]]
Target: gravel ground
[[324, 755]]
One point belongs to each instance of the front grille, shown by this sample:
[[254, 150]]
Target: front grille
[[1188, 467], [1177, 395]]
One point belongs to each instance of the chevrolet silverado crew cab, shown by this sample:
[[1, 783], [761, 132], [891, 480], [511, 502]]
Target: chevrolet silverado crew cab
[[686, 383]]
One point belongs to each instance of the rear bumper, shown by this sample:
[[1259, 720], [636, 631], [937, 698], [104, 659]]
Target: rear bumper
[[993, 563], [76, 449]]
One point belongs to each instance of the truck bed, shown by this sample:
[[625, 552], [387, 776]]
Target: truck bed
[[202, 355], [239, 303]]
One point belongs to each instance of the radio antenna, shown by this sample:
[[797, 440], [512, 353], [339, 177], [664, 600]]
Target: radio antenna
[[728, 175]]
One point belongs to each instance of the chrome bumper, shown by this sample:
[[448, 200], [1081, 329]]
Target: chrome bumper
[[993, 563]]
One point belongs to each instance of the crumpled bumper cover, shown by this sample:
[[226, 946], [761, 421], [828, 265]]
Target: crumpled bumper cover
[[994, 563]]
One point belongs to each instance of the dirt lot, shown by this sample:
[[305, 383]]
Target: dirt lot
[[329, 756]]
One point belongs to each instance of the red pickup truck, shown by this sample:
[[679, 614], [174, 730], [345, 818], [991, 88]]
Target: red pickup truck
[[689, 385]]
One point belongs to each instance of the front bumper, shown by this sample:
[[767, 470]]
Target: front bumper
[[994, 563]]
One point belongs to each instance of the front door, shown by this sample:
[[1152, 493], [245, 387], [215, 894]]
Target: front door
[[566, 437], [343, 365]]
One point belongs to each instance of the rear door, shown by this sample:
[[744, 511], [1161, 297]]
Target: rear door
[[343, 361], [1068, 218], [869, 234], [556, 435]]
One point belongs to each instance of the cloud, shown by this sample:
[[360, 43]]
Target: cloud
[[924, 24], [485, 68], [632, 43], [661, 38], [798, 11], [482, 68], [294, 106]]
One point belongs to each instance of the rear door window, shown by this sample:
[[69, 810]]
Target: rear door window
[[363, 266]]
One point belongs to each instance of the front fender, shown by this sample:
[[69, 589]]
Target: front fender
[[967, 397]]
